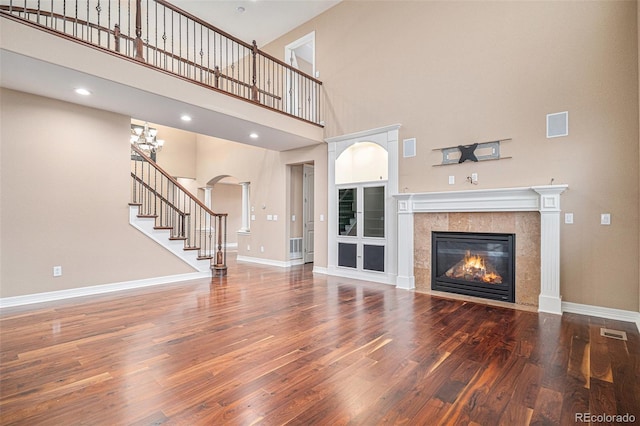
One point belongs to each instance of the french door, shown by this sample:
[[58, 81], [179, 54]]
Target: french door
[[362, 236]]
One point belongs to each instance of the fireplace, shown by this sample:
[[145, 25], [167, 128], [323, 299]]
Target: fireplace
[[474, 264]]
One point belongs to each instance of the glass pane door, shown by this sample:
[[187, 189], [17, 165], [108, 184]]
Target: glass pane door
[[374, 211], [347, 209], [361, 227]]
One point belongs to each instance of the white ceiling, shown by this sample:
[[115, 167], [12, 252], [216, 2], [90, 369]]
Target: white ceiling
[[262, 20]]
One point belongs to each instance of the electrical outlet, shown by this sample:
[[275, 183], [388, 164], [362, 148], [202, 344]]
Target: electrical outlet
[[321, 218], [261, 249], [474, 177], [275, 217], [293, 218], [568, 218], [57, 271], [452, 180], [605, 219]]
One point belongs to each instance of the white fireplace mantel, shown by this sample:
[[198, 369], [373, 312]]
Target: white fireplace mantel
[[544, 199]]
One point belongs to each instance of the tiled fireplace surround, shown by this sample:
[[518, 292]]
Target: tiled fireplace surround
[[531, 213]]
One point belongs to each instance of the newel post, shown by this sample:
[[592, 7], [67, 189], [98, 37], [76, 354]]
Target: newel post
[[254, 77], [219, 269], [138, 43]]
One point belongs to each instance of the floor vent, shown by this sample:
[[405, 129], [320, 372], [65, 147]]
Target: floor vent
[[614, 334]]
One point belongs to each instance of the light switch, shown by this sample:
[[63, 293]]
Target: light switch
[[293, 218], [275, 217], [568, 218], [269, 217], [452, 180], [605, 219]]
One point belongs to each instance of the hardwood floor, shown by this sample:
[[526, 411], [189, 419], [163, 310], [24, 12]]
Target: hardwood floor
[[274, 346]]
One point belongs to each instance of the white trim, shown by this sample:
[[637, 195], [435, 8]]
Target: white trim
[[602, 312], [377, 277], [387, 137], [270, 262], [544, 199], [28, 299], [320, 270]]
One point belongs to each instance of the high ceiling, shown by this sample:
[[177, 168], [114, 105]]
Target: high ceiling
[[259, 20]]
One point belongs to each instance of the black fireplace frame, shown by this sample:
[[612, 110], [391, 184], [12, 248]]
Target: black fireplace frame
[[505, 292]]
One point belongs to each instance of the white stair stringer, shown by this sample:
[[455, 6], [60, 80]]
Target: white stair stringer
[[161, 236]]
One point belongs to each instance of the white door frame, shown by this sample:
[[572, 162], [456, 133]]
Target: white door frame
[[308, 226], [387, 138], [291, 105]]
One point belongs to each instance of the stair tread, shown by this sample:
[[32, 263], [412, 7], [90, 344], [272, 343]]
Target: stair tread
[[163, 227], [177, 238], [192, 248], [153, 216], [205, 257]]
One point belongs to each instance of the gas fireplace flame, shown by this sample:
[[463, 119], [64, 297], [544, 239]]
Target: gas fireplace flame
[[474, 267]]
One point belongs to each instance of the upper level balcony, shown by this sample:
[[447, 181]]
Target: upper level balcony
[[160, 59]]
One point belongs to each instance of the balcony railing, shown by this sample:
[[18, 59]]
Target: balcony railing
[[163, 36]]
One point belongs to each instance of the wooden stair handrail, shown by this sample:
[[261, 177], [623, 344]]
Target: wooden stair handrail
[[175, 182], [162, 198]]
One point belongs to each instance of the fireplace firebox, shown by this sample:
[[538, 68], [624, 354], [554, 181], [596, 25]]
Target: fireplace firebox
[[474, 264]]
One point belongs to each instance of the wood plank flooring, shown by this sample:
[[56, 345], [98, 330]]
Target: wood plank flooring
[[275, 346]]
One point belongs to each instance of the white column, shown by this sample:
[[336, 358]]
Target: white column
[[207, 196], [405, 278], [245, 207], [550, 299]]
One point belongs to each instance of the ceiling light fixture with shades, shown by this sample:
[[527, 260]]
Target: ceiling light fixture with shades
[[145, 139]]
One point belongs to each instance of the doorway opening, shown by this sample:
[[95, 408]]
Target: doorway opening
[[301, 213]]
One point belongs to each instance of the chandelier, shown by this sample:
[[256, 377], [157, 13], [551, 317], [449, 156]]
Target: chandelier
[[145, 139]]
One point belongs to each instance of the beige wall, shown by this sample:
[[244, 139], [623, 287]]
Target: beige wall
[[64, 194], [178, 156], [296, 200], [267, 173], [461, 72], [227, 198]]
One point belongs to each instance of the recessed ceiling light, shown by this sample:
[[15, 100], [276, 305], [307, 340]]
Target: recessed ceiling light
[[185, 117], [253, 135], [83, 92]]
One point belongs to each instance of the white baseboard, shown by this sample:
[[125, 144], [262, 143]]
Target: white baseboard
[[602, 312], [375, 277], [269, 262], [319, 270], [6, 302]]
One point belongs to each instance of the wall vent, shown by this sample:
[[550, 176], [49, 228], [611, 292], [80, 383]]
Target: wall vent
[[558, 124], [295, 248], [613, 334], [409, 147]]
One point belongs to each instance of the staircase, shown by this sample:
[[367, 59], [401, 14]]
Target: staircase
[[169, 214]]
